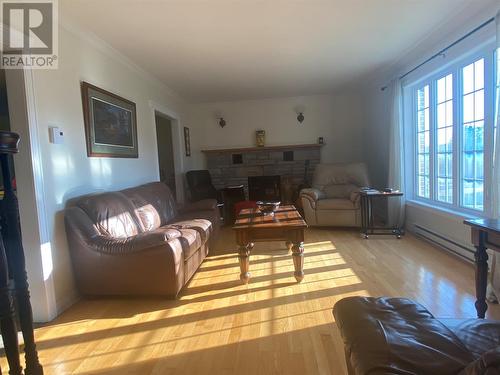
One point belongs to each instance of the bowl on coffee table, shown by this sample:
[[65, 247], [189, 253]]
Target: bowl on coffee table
[[268, 207]]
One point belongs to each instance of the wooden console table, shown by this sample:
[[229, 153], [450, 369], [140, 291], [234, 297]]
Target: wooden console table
[[285, 224], [485, 234]]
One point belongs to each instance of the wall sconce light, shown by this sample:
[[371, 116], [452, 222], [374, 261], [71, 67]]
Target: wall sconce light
[[300, 117], [222, 122]]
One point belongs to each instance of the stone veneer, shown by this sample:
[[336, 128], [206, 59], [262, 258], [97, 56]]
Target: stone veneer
[[262, 161]]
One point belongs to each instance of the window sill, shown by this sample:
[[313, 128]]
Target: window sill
[[444, 211]]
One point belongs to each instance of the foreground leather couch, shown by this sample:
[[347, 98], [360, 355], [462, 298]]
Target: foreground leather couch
[[333, 199], [136, 242], [399, 336]]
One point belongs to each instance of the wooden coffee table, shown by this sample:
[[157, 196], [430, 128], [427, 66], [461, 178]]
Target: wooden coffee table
[[285, 224]]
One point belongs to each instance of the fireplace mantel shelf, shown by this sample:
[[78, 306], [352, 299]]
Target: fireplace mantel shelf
[[265, 148]]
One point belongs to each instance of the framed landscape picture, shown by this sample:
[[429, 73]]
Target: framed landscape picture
[[110, 123]]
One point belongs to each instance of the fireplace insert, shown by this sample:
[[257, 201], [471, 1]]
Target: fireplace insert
[[264, 188]]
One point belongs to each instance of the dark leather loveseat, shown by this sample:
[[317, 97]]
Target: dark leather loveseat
[[399, 336], [136, 242]]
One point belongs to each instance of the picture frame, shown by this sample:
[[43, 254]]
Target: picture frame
[[110, 123], [187, 141]]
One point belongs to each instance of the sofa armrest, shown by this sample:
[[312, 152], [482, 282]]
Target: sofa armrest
[[312, 194], [202, 205]]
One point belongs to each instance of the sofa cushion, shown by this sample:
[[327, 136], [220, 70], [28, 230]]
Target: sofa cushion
[[478, 335], [202, 226], [340, 191], [113, 214], [154, 204], [487, 364], [335, 204], [397, 336], [189, 241]]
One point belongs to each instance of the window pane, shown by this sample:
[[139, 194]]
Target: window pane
[[469, 166], [479, 105], [449, 87], [441, 90], [449, 165], [441, 165], [469, 142], [478, 195], [469, 108], [479, 166], [441, 115], [479, 75], [468, 78], [479, 136], [468, 194], [449, 113]]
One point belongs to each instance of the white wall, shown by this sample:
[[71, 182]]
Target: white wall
[[336, 118], [67, 171]]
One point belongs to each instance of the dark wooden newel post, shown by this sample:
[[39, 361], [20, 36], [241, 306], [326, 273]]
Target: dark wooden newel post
[[17, 277]]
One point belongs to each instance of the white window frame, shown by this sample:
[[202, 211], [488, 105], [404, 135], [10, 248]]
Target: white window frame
[[487, 52]]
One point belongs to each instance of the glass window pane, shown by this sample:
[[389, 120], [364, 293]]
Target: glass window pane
[[479, 105], [469, 108], [420, 121], [449, 190], [468, 78], [441, 192], [426, 119], [479, 136], [479, 74], [479, 165], [441, 140], [449, 113], [469, 141], [420, 99], [441, 165], [441, 90], [426, 96], [441, 115], [468, 194], [449, 87], [427, 164], [469, 166], [449, 139], [478, 195], [449, 165]]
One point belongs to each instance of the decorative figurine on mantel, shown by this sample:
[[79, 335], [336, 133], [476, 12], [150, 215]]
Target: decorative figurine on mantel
[[260, 138]]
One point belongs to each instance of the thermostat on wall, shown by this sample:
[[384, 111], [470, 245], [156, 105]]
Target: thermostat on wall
[[56, 135]]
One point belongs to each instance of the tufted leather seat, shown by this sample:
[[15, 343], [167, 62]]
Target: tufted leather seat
[[136, 241]]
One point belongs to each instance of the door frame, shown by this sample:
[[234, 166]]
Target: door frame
[[177, 142]]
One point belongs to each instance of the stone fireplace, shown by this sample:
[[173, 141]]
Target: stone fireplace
[[294, 164]]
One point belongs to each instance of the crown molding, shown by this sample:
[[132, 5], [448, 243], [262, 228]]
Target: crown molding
[[91, 38]]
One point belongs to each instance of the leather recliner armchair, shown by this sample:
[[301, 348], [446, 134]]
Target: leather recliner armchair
[[333, 199], [200, 185]]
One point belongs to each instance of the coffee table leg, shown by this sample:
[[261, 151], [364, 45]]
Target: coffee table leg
[[244, 258], [298, 260]]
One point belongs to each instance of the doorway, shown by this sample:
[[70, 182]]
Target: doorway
[[165, 144]]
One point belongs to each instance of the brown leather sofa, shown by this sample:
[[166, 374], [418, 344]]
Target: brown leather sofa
[[399, 336], [136, 241]]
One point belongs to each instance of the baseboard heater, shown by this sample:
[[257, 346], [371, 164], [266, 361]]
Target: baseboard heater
[[445, 243]]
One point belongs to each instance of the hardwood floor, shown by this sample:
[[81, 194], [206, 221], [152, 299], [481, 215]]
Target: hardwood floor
[[270, 326]]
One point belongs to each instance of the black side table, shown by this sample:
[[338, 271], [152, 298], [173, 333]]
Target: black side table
[[368, 227]]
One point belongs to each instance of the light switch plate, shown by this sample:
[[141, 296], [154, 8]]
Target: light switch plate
[[56, 135]]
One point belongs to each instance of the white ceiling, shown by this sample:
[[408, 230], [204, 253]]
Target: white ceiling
[[214, 50]]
